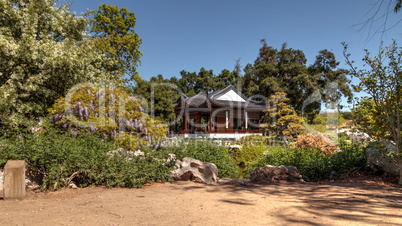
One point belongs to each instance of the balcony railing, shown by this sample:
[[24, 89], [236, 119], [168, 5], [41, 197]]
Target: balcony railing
[[220, 131]]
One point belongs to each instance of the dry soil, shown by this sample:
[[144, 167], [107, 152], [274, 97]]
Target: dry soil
[[188, 203]]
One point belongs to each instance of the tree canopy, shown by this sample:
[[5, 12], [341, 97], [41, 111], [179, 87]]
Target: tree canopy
[[280, 120], [285, 70], [382, 80], [114, 35], [44, 51]]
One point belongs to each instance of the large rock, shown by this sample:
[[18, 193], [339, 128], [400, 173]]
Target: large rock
[[237, 181], [1, 181], [379, 161], [195, 170], [270, 173]]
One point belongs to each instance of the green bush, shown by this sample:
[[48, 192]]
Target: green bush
[[320, 120], [54, 157], [312, 164], [205, 151], [247, 155]]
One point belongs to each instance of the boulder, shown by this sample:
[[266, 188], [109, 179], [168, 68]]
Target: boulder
[[237, 181], [195, 170], [31, 182], [379, 161], [1, 180], [270, 173]]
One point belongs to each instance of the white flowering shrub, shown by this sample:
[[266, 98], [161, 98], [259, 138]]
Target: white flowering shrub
[[44, 51]]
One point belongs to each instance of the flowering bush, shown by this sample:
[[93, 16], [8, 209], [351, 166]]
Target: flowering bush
[[315, 141], [113, 113], [45, 50]]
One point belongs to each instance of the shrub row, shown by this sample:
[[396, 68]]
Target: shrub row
[[313, 165], [54, 157]]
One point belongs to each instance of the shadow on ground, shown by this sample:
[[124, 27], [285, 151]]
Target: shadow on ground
[[352, 202]]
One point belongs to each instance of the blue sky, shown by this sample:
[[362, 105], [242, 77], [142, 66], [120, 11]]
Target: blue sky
[[187, 34]]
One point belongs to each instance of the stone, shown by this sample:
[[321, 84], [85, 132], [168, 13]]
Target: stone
[[333, 175], [1, 180], [171, 157], [14, 179], [31, 182], [237, 181], [270, 173], [378, 161], [72, 185], [195, 170]]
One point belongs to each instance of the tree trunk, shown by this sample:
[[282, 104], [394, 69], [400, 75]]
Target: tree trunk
[[400, 171], [285, 140]]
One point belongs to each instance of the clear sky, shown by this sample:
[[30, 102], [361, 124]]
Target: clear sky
[[188, 34]]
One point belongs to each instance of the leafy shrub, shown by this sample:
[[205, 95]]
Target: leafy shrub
[[205, 151], [322, 120], [317, 142], [312, 164], [55, 157], [247, 155], [344, 136]]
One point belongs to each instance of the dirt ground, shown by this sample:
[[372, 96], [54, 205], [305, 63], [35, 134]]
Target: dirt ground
[[188, 203]]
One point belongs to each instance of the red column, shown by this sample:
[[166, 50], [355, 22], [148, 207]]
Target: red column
[[210, 123], [185, 124]]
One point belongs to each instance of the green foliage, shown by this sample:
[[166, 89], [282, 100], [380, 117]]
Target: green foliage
[[163, 96], [192, 83], [312, 164], [285, 70], [115, 36], [44, 52], [205, 151], [280, 119], [369, 119], [248, 154], [55, 157], [320, 120], [382, 80], [347, 115]]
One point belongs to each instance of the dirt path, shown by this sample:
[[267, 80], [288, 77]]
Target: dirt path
[[187, 203]]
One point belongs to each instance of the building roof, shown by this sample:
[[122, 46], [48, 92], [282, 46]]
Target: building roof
[[227, 97]]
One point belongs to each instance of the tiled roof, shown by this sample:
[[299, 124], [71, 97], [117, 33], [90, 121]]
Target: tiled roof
[[201, 98]]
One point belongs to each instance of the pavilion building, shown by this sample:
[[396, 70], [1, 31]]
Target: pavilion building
[[218, 115]]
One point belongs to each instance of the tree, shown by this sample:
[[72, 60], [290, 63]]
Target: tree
[[44, 52], [382, 81], [280, 120], [285, 70], [204, 81], [226, 78], [368, 118], [116, 37], [163, 96], [378, 19]]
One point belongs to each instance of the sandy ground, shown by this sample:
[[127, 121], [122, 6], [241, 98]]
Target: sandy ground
[[188, 203]]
